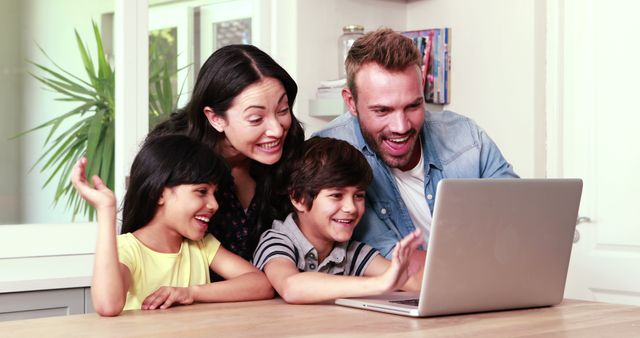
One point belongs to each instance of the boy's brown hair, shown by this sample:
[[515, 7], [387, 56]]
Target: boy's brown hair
[[391, 50], [326, 163]]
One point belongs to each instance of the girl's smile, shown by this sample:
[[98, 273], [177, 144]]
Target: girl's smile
[[186, 210]]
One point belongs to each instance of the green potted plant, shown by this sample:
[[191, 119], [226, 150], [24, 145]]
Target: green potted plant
[[91, 130]]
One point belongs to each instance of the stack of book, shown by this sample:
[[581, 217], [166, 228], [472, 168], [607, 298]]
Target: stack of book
[[435, 50]]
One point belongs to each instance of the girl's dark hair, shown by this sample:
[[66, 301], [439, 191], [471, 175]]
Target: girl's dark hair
[[327, 163], [165, 162], [225, 74]]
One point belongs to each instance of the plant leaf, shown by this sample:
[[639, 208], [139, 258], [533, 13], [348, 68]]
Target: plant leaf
[[63, 78], [86, 60], [62, 69], [93, 141], [107, 169], [57, 89], [61, 149], [79, 110], [92, 134], [62, 162]]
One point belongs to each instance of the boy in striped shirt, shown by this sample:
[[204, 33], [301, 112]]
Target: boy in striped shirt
[[309, 257]]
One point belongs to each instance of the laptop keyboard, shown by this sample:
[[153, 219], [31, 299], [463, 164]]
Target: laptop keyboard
[[413, 301]]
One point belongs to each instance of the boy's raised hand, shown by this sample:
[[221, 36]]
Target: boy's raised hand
[[400, 269], [99, 196]]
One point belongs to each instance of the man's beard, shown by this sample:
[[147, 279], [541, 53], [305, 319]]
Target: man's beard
[[375, 143]]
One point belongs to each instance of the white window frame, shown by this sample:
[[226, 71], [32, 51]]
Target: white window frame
[[132, 84]]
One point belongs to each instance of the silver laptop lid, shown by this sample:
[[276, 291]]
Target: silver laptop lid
[[499, 244]]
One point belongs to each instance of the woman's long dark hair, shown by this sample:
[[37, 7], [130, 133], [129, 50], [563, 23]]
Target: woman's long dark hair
[[225, 74], [165, 162]]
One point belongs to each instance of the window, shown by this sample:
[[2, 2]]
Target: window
[[27, 27], [182, 34]]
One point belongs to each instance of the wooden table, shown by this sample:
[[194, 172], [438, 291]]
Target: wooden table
[[273, 318]]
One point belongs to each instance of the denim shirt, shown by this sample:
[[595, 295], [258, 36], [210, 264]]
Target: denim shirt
[[453, 146]]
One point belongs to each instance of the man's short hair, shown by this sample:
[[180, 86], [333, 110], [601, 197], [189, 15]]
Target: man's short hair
[[326, 163], [391, 50]]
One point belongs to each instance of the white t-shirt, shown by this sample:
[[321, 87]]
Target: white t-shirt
[[411, 187]]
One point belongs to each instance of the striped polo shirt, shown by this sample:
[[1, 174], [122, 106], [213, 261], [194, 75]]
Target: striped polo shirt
[[286, 240]]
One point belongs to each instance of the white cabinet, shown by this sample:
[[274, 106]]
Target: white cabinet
[[44, 303], [45, 270]]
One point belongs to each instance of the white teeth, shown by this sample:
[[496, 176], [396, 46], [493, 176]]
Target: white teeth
[[202, 218], [399, 140], [346, 221], [270, 144]]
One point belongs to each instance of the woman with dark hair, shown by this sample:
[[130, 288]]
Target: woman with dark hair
[[241, 107]]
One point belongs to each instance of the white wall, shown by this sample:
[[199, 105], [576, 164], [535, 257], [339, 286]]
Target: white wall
[[497, 70], [319, 24]]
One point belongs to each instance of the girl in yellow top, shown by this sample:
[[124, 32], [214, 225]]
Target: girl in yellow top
[[163, 256]]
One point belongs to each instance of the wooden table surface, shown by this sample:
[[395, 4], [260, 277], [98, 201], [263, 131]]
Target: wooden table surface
[[273, 318]]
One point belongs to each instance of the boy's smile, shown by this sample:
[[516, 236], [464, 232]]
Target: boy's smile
[[333, 216]]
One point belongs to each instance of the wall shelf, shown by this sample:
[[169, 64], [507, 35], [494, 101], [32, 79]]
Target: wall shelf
[[326, 107]]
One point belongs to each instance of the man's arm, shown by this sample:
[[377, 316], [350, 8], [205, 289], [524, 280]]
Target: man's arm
[[492, 162]]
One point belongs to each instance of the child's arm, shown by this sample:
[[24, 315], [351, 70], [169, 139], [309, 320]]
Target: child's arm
[[111, 279], [313, 287], [242, 282]]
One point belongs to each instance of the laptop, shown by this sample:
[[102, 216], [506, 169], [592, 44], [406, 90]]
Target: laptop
[[495, 244]]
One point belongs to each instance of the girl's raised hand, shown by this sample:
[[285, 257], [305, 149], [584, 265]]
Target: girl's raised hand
[[99, 196]]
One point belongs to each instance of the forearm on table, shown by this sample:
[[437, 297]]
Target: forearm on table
[[315, 287], [248, 286]]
